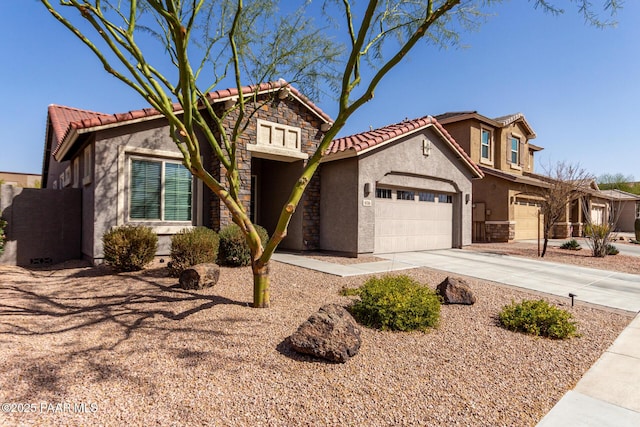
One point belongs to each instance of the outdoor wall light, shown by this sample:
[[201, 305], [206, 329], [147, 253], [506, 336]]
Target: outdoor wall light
[[467, 198], [367, 189], [326, 126], [284, 93]]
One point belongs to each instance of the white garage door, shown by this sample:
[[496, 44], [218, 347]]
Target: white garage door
[[408, 220], [526, 217]]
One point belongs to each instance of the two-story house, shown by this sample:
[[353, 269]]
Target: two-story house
[[506, 203], [502, 211]]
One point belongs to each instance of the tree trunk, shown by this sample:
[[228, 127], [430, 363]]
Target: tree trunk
[[260, 284], [544, 247]]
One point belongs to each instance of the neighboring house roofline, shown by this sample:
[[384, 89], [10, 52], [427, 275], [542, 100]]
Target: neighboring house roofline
[[358, 144], [526, 178], [498, 122], [621, 195], [534, 147], [94, 121]]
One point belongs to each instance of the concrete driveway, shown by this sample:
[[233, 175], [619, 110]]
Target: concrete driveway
[[607, 288]]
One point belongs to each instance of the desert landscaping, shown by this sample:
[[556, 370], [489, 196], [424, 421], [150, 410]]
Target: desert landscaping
[[136, 349]]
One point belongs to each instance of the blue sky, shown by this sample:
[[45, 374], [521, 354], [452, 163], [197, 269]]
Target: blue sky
[[578, 86]]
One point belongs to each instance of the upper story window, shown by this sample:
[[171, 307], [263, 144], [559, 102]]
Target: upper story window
[[485, 145], [160, 190], [515, 150]]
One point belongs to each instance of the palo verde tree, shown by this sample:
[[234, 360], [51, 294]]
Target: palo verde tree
[[250, 42]]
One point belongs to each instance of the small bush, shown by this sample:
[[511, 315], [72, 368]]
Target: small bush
[[571, 245], [3, 224], [612, 250], [234, 250], [397, 303], [193, 246], [129, 248], [538, 318]]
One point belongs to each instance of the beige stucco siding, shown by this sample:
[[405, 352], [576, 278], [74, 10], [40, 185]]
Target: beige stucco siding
[[112, 151], [339, 206], [403, 164]]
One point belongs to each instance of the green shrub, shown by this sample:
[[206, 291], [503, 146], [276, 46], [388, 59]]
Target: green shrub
[[538, 318], [129, 248], [612, 250], [3, 224], [572, 245], [192, 246], [396, 303], [234, 250]]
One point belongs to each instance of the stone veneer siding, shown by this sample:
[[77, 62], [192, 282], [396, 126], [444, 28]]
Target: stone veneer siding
[[292, 113], [562, 230], [500, 232]]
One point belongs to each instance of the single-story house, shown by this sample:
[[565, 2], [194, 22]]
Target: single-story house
[[402, 187], [626, 208]]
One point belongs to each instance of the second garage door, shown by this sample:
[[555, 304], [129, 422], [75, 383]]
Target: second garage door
[[526, 217], [408, 220]]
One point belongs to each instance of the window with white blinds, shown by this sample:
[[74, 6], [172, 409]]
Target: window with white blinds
[[160, 190]]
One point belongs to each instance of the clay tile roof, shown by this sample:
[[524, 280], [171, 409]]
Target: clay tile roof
[[372, 138], [66, 119], [509, 118], [61, 117]]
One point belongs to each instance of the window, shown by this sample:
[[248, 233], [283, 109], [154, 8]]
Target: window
[[426, 197], [160, 191], [76, 172], [515, 150], [445, 198], [383, 193], [405, 195], [485, 148], [86, 157]]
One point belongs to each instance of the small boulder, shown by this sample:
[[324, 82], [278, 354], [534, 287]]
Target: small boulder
[[331, 333], [200, 276], [455, 291]]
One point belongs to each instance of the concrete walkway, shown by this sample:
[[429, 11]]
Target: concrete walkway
[[609, 393]]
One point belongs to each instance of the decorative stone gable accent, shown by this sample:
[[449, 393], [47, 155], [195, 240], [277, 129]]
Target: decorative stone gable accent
[[292, 115]]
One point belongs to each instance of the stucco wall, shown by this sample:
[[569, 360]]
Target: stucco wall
[[339, 206], [627, 216], [494, 192], [43, 226], [402, 164], [112, 149]]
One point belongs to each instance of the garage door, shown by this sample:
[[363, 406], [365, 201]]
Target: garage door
[[407, 220], [597, 214], [526, 217]]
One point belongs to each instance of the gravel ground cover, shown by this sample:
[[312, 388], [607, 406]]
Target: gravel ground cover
[[583, 257], [135, 350]]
